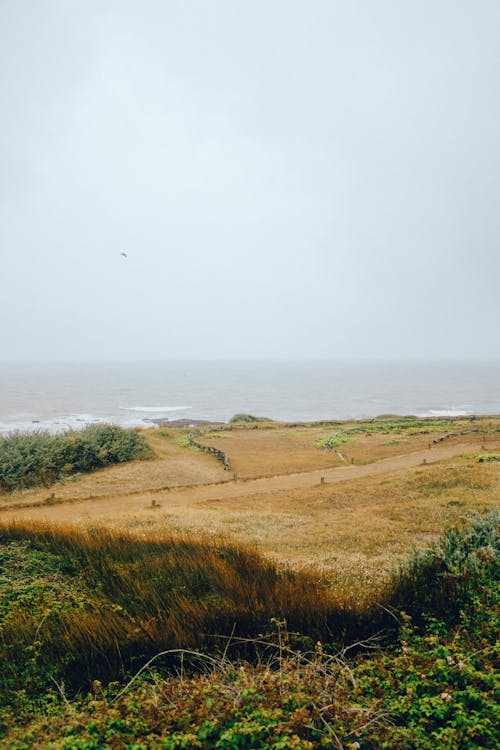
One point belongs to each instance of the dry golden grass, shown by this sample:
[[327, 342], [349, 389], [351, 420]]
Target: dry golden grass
[[353, 527], [277, 450], [354, 531], [270, 449], [96, 602]]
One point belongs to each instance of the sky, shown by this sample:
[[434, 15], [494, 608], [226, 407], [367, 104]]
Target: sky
[[289, 179]]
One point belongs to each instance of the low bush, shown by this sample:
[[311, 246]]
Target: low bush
[[249, 418], [39, 458], [439, 581]]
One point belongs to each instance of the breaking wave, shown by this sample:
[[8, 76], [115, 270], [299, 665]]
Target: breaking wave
[[154, 409]]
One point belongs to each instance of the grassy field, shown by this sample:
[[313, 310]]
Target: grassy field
[[257, 581], [353, 527]]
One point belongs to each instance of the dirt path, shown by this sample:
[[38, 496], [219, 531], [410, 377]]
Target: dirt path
[[119, 504]]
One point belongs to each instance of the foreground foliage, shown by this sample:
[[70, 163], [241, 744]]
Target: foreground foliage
[[427, 684], [39, 458], [78, 606], [430, 692]]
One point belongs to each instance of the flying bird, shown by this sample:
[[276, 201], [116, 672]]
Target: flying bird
[[124, 254]]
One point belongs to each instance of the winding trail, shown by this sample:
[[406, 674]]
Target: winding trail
[[128, 503]]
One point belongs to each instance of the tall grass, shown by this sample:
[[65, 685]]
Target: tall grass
[[84, 605], [124, 598], [39, 458]]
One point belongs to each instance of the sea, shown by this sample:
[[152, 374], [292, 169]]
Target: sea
[[69, 395]]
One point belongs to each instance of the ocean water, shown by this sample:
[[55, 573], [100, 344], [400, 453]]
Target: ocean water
[[58, 396]]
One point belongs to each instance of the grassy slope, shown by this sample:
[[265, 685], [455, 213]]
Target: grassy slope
[[68, 600], [354, 530], [76, 608], [85, 605]]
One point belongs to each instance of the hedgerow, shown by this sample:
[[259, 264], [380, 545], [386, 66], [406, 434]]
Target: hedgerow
[[29, 459]]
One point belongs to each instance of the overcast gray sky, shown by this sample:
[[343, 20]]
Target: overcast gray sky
[[289, 179]]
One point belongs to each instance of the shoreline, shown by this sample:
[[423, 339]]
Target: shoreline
[[73, 422], [131, 395]]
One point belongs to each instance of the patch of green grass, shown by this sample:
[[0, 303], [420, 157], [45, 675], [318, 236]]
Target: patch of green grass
[[333, 441], [395, 418], [183, 441], [387, 426]]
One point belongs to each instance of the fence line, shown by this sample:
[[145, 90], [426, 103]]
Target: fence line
[[219, 455]]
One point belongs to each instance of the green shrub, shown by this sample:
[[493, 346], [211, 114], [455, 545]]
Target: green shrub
[[440, 580], [39, 458], [484, 457], [246, 418]]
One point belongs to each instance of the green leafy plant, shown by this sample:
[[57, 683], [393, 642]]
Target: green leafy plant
[[440, 580], [40, 458]]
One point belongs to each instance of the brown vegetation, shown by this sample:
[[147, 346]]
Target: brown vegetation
[[353, 526]]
